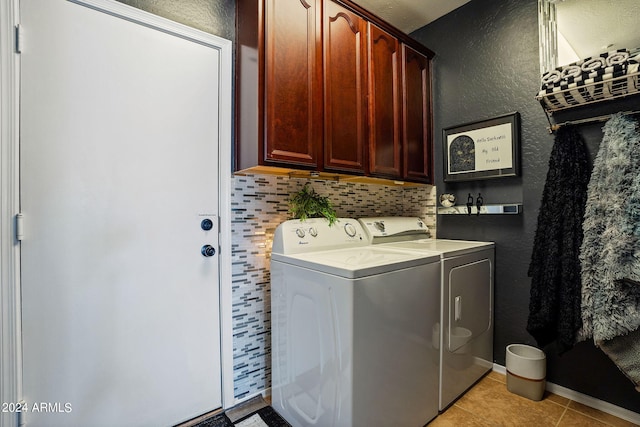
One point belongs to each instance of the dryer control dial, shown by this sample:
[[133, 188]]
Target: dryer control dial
[[300, 232], [313, 232], [379, 225]]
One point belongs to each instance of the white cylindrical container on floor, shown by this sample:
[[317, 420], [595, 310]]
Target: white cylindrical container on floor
[[526, 371]]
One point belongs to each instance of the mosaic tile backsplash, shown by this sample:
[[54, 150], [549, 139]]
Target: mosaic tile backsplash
[[258, 204]]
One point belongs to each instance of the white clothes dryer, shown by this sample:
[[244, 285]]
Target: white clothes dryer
[[351, 328], [464, 335]]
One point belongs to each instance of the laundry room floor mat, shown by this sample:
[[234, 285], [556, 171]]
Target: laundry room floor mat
[[265, 417], [252, 413]]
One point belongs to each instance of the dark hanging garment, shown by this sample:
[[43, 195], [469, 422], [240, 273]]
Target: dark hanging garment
[[610, 253], [555, 304]]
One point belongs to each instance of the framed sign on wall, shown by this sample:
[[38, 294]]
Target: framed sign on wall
[[483, 149]]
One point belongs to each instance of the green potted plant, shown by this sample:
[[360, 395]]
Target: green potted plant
[[306, 203]]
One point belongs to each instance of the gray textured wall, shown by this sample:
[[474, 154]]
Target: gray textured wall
[[212, 16], [487, 65]]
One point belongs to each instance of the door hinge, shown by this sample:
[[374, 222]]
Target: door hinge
[[19, 34], [19, 226]]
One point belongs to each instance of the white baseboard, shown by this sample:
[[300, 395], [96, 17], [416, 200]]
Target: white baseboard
[[592, 402]]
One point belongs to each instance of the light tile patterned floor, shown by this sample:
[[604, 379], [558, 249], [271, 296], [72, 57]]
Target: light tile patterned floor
[[489, 403]]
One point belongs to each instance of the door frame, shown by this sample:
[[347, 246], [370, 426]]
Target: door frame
[[10, 344], [10, 303]]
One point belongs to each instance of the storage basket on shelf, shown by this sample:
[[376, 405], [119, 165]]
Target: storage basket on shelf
[[607, 76]]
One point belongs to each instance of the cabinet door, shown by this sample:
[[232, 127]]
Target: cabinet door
[[416, 90], [293, 82], [384, 103], [344, 88]]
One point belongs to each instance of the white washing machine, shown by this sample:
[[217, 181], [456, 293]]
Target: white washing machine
[[465, 333], [351, 328]]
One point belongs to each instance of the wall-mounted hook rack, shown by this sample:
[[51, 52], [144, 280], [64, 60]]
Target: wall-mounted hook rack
[[493, 209]]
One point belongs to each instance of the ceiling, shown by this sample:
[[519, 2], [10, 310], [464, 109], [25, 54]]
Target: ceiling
[[585, 27], [594, 26], [409, 15]]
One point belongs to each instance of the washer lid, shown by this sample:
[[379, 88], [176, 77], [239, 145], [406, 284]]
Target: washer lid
[[443, 246], [358, 262]]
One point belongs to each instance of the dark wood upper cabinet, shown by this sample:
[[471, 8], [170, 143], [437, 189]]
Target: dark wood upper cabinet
[[385, 110], [416, 126], [345, 88], [327, 86], [293, 82]]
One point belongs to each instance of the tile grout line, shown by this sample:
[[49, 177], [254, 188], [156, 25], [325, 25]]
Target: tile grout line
[[566, 405], [592, 417], [566, 408], [483, 419]]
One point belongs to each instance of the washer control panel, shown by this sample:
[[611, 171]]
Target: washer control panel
[[315, 234]]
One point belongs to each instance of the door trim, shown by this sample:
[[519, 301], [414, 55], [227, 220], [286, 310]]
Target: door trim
[[10, 328], [10, 344]]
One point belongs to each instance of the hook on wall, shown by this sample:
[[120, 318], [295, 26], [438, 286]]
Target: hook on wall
[[479, 203]]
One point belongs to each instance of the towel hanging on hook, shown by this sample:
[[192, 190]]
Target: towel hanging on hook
[[554, 306], [610, 249]]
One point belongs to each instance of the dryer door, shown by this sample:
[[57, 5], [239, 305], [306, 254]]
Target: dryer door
[[470, 299]]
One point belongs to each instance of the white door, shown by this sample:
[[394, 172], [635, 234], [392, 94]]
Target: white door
[[119, 167]]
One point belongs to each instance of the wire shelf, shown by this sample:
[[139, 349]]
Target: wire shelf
[[590, 93]]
